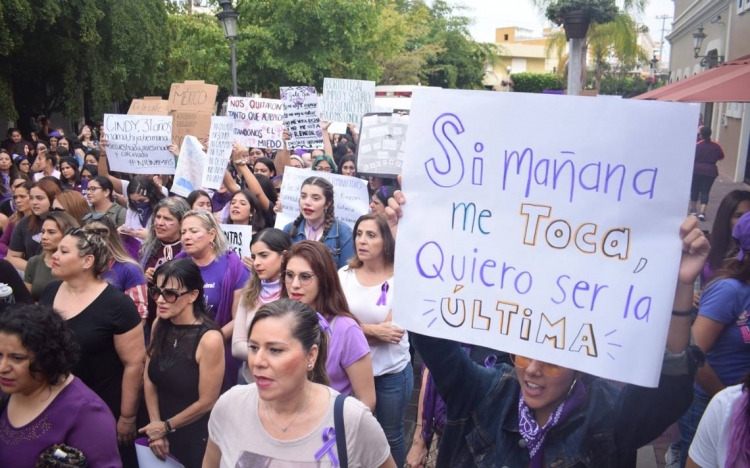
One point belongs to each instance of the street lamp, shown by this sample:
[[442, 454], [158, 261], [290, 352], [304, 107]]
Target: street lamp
[[712, 57], [228, 19], [652, 79]]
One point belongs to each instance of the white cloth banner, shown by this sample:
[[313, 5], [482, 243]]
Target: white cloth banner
[[258, 122], [238, 237], [347, 100], [190, 167], [350, 196], [220, 141], [139, 144], [546, 226]]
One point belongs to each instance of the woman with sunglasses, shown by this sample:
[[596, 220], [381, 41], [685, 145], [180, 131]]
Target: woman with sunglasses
[[184, 365], [73, 203], [100, 194], [21, 200], [317, 221], [223, 274], [25, 241], [264, 286], [38, 272], [540, 414], [310, 277], [106, 326]]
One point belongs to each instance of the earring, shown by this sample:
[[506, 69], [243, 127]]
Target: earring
[[310, 366], [85, 268]]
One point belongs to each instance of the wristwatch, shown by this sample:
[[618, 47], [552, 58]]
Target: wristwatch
[[168, 427]]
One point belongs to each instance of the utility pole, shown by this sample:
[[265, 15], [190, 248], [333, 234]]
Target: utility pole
[[663, 19]]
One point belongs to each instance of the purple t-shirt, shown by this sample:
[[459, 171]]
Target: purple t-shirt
[[124, 275], [727, 301], [347, 346], [213, 275], [76, 417]]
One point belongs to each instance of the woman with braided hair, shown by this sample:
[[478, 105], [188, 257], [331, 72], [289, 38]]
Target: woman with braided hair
[[317, 222]]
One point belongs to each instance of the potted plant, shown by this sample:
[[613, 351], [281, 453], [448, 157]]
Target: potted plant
[[575, 16]]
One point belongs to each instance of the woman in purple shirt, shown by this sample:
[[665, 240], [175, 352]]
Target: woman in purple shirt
[[48, 405], [310, 276]]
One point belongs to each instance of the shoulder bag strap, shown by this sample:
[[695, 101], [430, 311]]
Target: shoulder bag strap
[[338, 422]]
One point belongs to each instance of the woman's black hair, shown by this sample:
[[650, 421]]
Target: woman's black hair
[[348, 158], [188, 275], [195, 195], [305, 328], [105, 184], [270, 191], [339, 152], [268, 162], [721, 232], [93, 170], [45, 334], [384, 193], [71, 161], [143, 185], [257, 220], [95, 153]]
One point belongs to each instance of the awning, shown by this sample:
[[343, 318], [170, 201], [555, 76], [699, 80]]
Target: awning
[[729, 82]]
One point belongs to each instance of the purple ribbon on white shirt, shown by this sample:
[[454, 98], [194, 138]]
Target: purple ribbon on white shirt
[[383, 292], [329, 446], [490, 361], [323, 323]]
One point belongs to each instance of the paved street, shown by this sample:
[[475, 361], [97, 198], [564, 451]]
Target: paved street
[[651, 456]]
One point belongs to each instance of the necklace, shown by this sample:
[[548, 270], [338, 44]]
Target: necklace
[[299, 411], [312, 232], [183, 334]]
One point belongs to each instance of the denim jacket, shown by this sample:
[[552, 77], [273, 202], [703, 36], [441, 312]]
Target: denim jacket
[[338, 240], [606, 431]]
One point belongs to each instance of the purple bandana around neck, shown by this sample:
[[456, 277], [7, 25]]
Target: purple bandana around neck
[[144, 210], [535, 435]]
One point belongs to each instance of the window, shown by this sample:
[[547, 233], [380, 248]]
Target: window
[[743, 6], [734, 110], [506, 36]]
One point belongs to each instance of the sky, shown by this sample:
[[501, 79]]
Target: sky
[[491, 14]]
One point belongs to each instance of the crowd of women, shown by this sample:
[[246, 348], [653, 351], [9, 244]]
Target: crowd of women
[[136, 325]]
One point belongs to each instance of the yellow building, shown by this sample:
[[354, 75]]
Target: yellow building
[[519, 52]]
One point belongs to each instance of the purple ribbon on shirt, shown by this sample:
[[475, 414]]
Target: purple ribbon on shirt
[[323, 323], [329, 446], [383, 292], [490, 361]]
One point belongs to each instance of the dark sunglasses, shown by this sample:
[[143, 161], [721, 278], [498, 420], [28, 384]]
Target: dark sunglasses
[[94, 216], [169, 296]]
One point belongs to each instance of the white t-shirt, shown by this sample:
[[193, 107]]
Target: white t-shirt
[[39, 175], [244, 443], [386, 358], [125, 184], [709, 447]]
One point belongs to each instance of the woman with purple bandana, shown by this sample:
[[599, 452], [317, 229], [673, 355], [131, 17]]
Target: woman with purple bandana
[[224, 275], [722, 332], [540, 414]]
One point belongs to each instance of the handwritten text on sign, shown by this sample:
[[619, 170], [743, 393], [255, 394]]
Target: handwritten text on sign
[[557, 240], [258, 122], [238, 237], [347, 100], [350, 198], [139, 144], [301, 117], [219, 151]]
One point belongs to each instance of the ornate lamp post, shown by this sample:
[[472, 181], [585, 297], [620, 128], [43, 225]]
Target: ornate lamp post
[[228, 19]]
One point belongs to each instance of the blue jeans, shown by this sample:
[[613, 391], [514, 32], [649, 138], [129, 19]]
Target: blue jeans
[[393, 392], [688, 423]]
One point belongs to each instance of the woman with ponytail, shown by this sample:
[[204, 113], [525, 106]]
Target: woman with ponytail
[[264, 286], [723, 436], [290, 401], [317, 222]]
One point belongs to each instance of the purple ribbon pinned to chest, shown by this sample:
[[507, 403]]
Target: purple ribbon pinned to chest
[[383, 294], [329, 446]]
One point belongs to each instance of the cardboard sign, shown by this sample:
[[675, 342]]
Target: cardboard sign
[[192, 96], [381, 144], [190, 167], [350, 196], [150, 105], [258, 122], [197, 124], [219, 151], [238, 237], [139, 144], [301, 117], [347, 100], [545, 226]]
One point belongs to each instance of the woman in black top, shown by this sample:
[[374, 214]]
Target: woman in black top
[[184, 365]]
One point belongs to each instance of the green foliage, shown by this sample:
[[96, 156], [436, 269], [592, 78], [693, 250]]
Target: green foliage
[[536, 82], [599, 11], [625, 86]]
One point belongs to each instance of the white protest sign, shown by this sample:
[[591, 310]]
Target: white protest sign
[[139, 144], [337, 128], [257, 121], [301, 117], [238, 237], [546, 226], [347, 100], [190, 167], [381, 144], [350, 196], [220, 140]]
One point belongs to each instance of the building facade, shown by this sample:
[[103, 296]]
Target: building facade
[[519, 51]]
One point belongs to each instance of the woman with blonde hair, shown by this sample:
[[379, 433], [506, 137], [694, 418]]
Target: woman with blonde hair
[[224, 275], [73, 203]]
